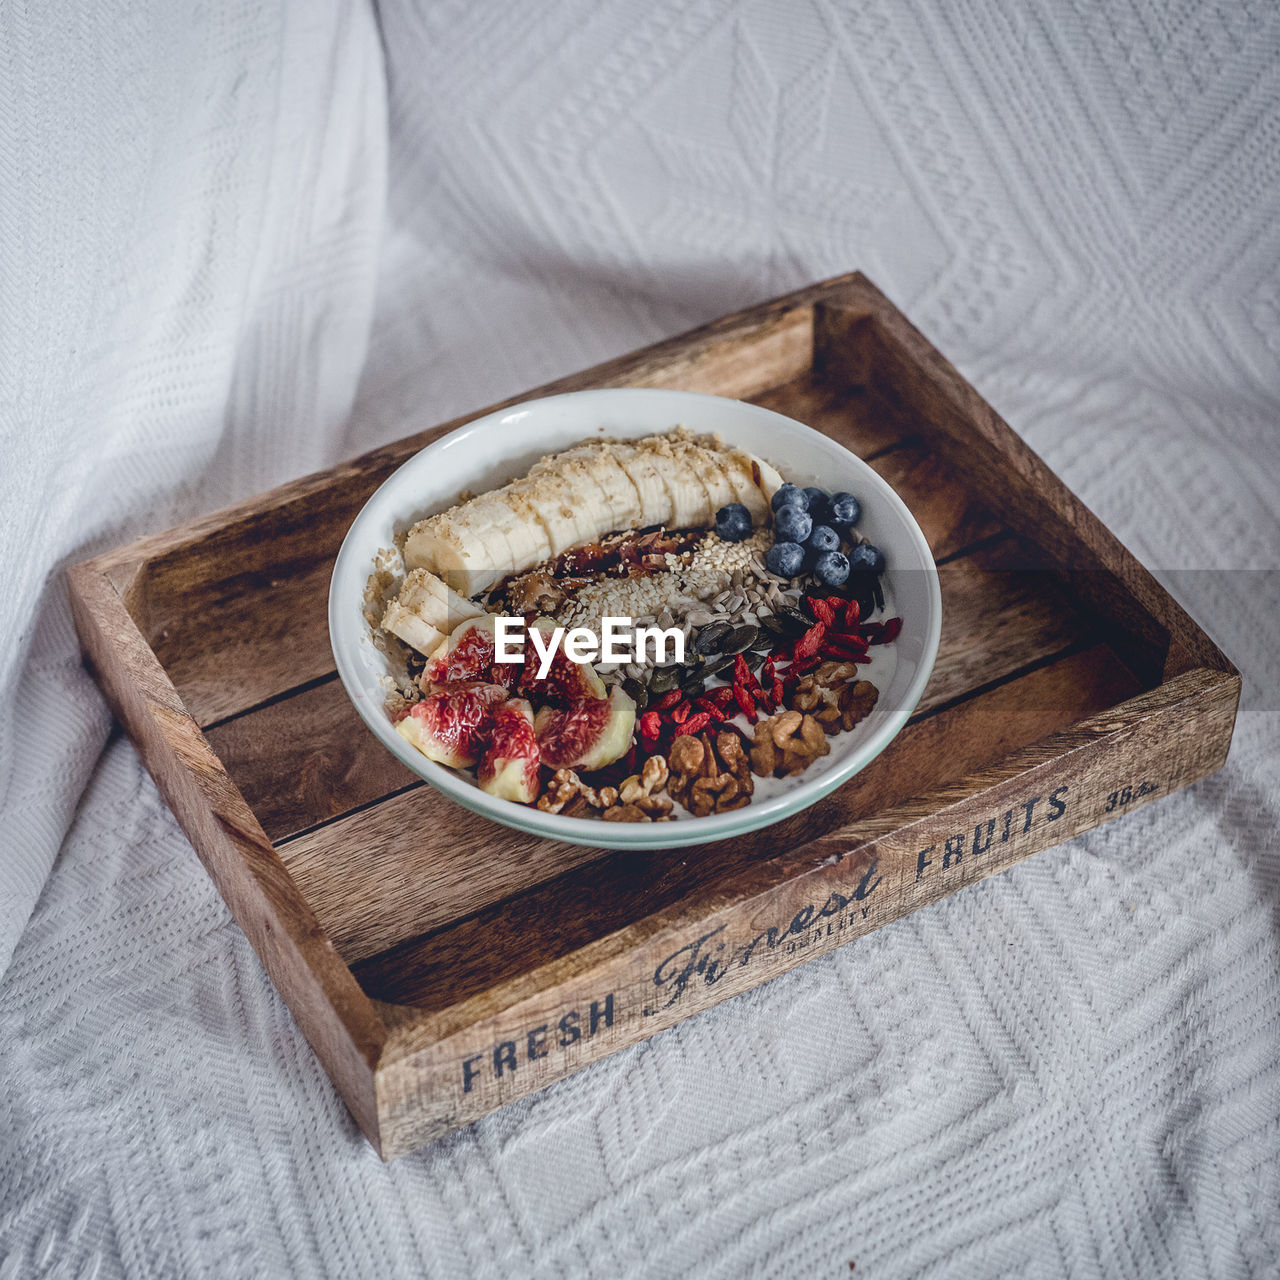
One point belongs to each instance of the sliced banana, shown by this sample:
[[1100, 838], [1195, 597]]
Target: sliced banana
[[619, 489], [557, 506], [675, 461], [526, 535], [452, 550], [655, 499], [432, 603], [578, 496], [750, 480], [410, 628]]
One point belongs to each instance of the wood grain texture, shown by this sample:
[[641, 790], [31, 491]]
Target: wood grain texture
[[446, 1068], [860, 337], [330, 1009], [237, 628], [415, 861], [451, 962], [1069, 689]]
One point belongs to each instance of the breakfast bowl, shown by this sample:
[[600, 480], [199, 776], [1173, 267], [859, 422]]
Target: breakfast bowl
[[399, 524]]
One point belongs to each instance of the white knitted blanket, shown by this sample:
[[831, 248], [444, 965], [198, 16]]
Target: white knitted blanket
[[210, 215]]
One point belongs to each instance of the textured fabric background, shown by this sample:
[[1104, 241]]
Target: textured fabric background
[[1067, 1070]]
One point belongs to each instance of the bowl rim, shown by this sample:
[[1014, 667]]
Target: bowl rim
[[345, 625]]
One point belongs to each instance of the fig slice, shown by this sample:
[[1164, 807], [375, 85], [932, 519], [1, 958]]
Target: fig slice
[[469, 653], [509, 769], [453, 724], [566, 681], [588, 734]]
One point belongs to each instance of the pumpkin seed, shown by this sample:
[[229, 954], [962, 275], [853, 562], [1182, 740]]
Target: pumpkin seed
[[664, 680], [792, 618], [637, 692], [711, 639], [693, 685], [717, 664], [771, 622]]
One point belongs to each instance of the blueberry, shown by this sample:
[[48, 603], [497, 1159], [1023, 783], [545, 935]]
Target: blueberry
[[789, 495], [819, 505], [831, 568], [791, 524], [786, 559], [823, 538], [865, 556], [733, 522], [845, 510]]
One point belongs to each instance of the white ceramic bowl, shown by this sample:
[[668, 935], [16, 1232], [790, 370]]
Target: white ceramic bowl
[[493, 449]]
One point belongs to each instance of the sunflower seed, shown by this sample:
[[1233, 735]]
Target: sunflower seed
[[665, 619], [741, 638]]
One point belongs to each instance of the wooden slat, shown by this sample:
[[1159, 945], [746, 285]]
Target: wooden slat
[[443, 1069], [449, 964], [415, 861], [233, 641]]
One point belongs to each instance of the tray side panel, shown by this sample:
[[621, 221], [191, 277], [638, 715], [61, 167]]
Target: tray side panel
[[340, 1022], [448, 1069], [861, 338]]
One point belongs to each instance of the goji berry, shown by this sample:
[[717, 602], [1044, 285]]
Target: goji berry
[[777, 692], [680, 712], [852, 612], [720, 696], [801, 665], [848, 643], [821, 609], [741, 672], [745, 701], [694, 724], [668, 700], [809, 643], [650, 724], [890, 631]]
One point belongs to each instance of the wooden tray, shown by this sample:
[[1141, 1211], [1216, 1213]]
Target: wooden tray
[[440, 965]]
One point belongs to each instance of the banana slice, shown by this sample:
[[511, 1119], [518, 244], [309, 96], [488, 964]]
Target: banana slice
[[410, 628], [704, 465], [655, 499], [625, 505], [672, 459], [426, 608], [601, 487], [468, 544], [557, 507], [526, 535], [752, 479]]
